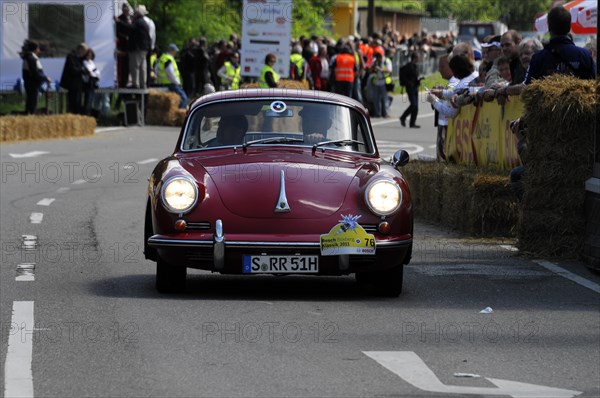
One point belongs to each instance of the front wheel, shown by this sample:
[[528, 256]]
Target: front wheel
[[384, 283], [169, 279]]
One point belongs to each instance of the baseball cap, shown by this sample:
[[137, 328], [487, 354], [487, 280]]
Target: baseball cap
[[493, 42], [173, 47]]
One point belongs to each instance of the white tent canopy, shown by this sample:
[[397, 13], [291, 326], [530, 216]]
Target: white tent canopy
[[583, 17], [59, 26]]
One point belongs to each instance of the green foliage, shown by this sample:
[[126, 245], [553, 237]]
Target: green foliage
[[519, 15], [179, 20], [309, 17]]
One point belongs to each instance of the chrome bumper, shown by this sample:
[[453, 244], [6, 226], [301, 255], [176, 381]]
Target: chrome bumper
[[218, 244]]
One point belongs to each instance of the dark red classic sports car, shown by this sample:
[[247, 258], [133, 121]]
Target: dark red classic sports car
[[275, 181]]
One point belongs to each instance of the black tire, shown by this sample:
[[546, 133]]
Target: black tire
[[384, 283], [170, 279], [408, 255]]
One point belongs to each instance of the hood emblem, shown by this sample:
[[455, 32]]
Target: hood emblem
[[282, 205]]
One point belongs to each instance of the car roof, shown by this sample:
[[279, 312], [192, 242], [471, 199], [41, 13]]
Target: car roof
[[279, 93]]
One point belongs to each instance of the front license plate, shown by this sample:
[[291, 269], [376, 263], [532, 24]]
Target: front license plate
[[281, 264]]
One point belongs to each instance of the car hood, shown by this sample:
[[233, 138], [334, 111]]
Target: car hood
[[250, 185]]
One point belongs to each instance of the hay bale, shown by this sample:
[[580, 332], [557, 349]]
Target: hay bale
[[479, 202], [163, 109], [494, 205], [561, 118], [283, 83], [41, 127]]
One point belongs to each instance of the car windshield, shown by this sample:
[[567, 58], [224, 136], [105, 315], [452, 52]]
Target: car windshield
[[276, 122]]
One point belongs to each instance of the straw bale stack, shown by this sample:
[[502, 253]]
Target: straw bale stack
[[163, 109], [283, 83], [460, 197], [41, 127], [561, 118]]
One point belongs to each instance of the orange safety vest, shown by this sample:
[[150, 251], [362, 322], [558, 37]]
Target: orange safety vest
[[369, 55], [344, 68]]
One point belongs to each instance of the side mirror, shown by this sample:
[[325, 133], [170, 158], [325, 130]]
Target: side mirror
[[400, 158]]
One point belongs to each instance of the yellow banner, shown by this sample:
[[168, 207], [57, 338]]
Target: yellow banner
[[481, 135]]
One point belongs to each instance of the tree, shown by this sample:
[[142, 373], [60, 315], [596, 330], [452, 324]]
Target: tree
[[519, 15], [179, 20]]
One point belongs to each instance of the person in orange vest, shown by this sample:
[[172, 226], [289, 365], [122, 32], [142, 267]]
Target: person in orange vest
[[344, 69]]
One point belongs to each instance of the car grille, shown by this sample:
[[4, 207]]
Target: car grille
[[199, 257], [369, 228], [202, 225], [205, 226]]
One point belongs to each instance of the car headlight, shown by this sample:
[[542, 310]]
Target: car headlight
[[179, 194], [383, 197]]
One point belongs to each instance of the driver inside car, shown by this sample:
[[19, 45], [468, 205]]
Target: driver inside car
[[231, 131], [314, 126]]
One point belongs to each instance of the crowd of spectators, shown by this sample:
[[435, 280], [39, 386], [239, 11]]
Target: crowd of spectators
[[362, 68]]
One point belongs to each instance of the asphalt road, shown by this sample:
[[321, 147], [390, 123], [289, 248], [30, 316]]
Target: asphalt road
[[85, 320]]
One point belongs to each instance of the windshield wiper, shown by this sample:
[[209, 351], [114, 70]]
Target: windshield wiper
[[272, 140], [336, 143]]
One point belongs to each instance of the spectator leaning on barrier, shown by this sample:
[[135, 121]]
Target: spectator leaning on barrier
[[527, 48], [510, 42], [33, 75], [462, 69], [72, 78], [168, 73], [442, 117]]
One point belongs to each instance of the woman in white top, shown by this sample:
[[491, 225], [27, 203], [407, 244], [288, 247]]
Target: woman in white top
[[91, 76]]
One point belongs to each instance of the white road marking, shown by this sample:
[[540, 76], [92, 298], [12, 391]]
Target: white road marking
[[146, 161], [32, 154], [107, 129], [569, 275], [63, 190], [388, 148], [410, 367], [315, 313], [46, 202], [18, 377], [77, 182], [25, 272], [36, 218], [395, 120]]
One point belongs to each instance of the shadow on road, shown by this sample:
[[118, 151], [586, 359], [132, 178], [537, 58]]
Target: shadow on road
[[230, 287]]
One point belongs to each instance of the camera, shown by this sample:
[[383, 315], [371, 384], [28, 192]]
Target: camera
[[518, 126]]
